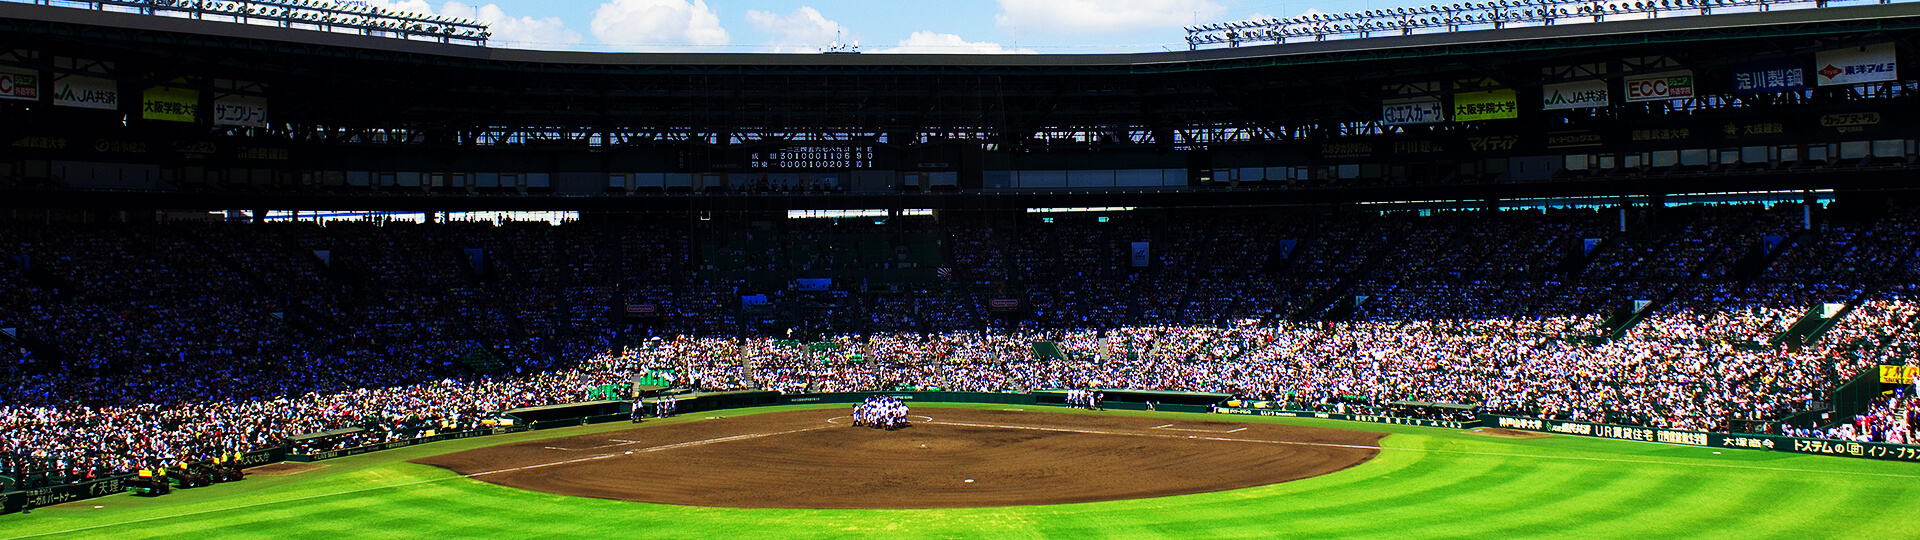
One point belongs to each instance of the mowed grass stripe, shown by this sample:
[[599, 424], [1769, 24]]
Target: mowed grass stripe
[[1558, 487]]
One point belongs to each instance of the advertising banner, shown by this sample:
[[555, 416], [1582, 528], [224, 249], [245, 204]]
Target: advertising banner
[[813, 284], [1672, 85], [19, 84], [1139, 254], [86, 93], [1897, 374], [1401, 112], [170, 104], [1897, 452], [1488, 105], [240, 111], [1574, 95], [1872, 63], [1350, 417], [1770, 76]]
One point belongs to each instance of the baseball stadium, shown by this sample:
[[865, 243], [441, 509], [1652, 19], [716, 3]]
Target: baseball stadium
[[1523, 268]]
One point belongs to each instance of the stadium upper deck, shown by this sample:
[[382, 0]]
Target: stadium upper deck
[[199, 112]]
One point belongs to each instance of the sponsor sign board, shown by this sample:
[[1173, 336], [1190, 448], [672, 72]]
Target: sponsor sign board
[[1663, 86], [1488, 105], [1770, 76], [19, 84], [86, 93], [1854, 65], [240, 111], [1401, 112], [1898, 374], [1399, 420], [1896, 452], [1574, 95], [170, 104]]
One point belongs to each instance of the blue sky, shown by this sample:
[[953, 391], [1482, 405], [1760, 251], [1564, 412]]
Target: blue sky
[[924, 26]]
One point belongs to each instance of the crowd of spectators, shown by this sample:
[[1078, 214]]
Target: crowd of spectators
[[132, 346]]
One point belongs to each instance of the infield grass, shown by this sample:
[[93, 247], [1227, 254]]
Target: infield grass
[[1427, 483]]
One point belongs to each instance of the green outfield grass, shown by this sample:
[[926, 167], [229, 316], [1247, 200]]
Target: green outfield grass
[[1428, 483]]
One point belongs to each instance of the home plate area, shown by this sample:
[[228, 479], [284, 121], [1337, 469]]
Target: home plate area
[[817, 459]]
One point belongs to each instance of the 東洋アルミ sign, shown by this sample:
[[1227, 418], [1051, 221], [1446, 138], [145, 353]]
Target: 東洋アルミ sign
[[1487, 105], [170, 104], [1854, 65], [1658, 87], [86, 93], [1574, 95], [19, 84], [1401, 112], [1782, 75]]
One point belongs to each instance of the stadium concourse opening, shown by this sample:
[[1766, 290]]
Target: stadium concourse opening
[[949, 458]]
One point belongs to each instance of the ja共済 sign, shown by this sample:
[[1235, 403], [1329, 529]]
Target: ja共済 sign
[[1574, 95], [86, 93]]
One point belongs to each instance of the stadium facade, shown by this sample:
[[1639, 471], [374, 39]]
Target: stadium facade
[[135, 111]]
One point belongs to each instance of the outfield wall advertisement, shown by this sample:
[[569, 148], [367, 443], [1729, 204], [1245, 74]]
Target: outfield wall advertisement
[[1376, 419], [1777, 443], [16, 501]]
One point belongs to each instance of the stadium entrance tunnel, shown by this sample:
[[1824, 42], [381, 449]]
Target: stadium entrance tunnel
[[948, 458]]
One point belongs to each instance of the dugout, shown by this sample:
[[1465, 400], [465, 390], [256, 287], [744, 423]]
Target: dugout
[[574, 414], [709, 401]]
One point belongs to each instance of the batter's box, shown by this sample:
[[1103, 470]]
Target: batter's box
[[1170, 427]]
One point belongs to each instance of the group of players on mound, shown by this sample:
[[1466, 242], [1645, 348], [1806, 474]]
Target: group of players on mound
[[884, 412]]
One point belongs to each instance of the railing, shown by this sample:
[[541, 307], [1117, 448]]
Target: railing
[[355, 17], [1465, 16]]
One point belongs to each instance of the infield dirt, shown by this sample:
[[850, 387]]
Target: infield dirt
[[815, 459]]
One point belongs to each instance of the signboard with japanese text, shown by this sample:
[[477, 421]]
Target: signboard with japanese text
[[86, 93], [1401, 112], [1574, 95], [170, 104], [1673, 85], [240, 111], [1770, 76], [1488, 105], [1855, 65], [19, 84]]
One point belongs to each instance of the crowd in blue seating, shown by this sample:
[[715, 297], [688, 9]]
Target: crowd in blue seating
[[136, 345]]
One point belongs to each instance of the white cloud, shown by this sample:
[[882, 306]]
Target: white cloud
[[804, 29], [510, 31], [934, 43], [658, 25], [1101, 16]]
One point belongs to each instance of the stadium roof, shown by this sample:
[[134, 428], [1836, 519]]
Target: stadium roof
[[1704, 27]]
